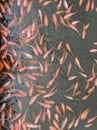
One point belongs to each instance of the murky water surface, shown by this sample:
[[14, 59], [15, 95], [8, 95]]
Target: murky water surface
[[49, 74]]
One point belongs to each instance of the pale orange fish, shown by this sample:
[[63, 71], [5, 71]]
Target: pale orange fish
[[25, 2], [45, 105], [10, 111], [14, 51], [29, 7], [58, 12], [63, 108], [15, 117], [21, 92], [46, 67], [32, 77], [38, 48], [41, 39], [53, 57], [20, 105], [8, 9], [55, 21], [91, 79], [1, 16], [49, 102], [12, 22], [34, 126], [75, 87], [77, 62], [86, 96], [29, 33], [76, 122], [49, 94], [10, 75], [22, 12], [69, 97], [58, 110], [63, 58], [47, 53], [68, 10], [40, 14], [95, 82], [19, 123], [24, 116], [93, 50], [87, 6], [84, 114], [72, 77], [67, 16], [24, 127], [64, 122], [18, 2], [50, 82], [87, 85], [2, 107], [27, 55], [7, 66], [59, 4], [45, 20], [76, 94], [63, 22], [65, 4], [90, 120], [41, 67], [43, 117], [12, 126], [38, 117], [80, 2], [3, 117], [91, 89], [33, 99], [71, 124], [56, 116], [95, 43], [68, 48], [47, 2], [35, 50], [59, 46], [31, 91], [73, 28], [2, 8], [40, 1], [49, 114], [83, 74], [41, 91], [55, 123], [75, 22], [69, 68], [88, 125], [69, 108], [86, 26], [52, 128], [57, 72], [92, 5], [83, 34]]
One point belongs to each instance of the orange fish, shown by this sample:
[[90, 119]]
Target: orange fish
[[87, 6], [84, 114], [47, 3], [33, 99], [29, 6], [45, 20], [80, 2]]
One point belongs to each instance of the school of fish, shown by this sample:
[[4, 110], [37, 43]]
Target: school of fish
[[28, 66]]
